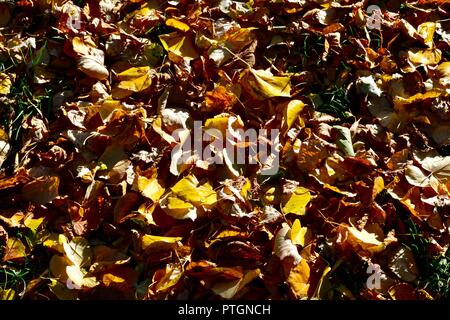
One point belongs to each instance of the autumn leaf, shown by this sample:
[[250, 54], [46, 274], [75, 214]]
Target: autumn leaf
[[297, 201], [14, 250], [133, 80], [177, 24], [5, 84], [179, 44], [262, 84], [298, 279], [150, 243]]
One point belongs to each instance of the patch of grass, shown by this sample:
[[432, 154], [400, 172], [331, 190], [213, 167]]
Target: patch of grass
[[434, 271], [14, 277], [335, 102], [22, 104]]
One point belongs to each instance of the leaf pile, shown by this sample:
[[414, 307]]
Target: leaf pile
[[93, 205]]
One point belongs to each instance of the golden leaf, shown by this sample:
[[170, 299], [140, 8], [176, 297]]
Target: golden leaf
[[150, 187], [298, 279], [14, 250], [424, 56], [5, 84], [178, 44], [152, 243], [297, 201], [174, 23], [262, 84], [298, 233]]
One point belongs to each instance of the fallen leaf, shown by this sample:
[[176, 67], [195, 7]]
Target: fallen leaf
[[296, 202], [262, 84]]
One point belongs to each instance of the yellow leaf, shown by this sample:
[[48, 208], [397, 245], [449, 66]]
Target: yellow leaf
[[272, 196], [262, 84], [426, 31], [175, 203], [378, 186], [218, 122], [179, 209], [109, 278], [228, 233], [61, 291], [443, 72], [179, 44], [33, 224], [171, 277], [77, 250], [52, 242], [146, 211], [14, 250], [337, 190], [298, 279], [298, 233], [133, 73], [135, 79], [189, 190], [174, 23], [157, 126], [5, 84], [399, 101], [79, 278], [425, 56], [297, 201], [150, 188], [7, 294], [365, 240], [290, 114], [152, 243]]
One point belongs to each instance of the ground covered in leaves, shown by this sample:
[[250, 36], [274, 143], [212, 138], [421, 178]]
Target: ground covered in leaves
[[92, 204]]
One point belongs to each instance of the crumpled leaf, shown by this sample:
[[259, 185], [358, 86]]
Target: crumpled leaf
[[93, 67], [365, 240]]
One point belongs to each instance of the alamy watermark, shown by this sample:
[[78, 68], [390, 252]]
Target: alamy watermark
[[373, 282]]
